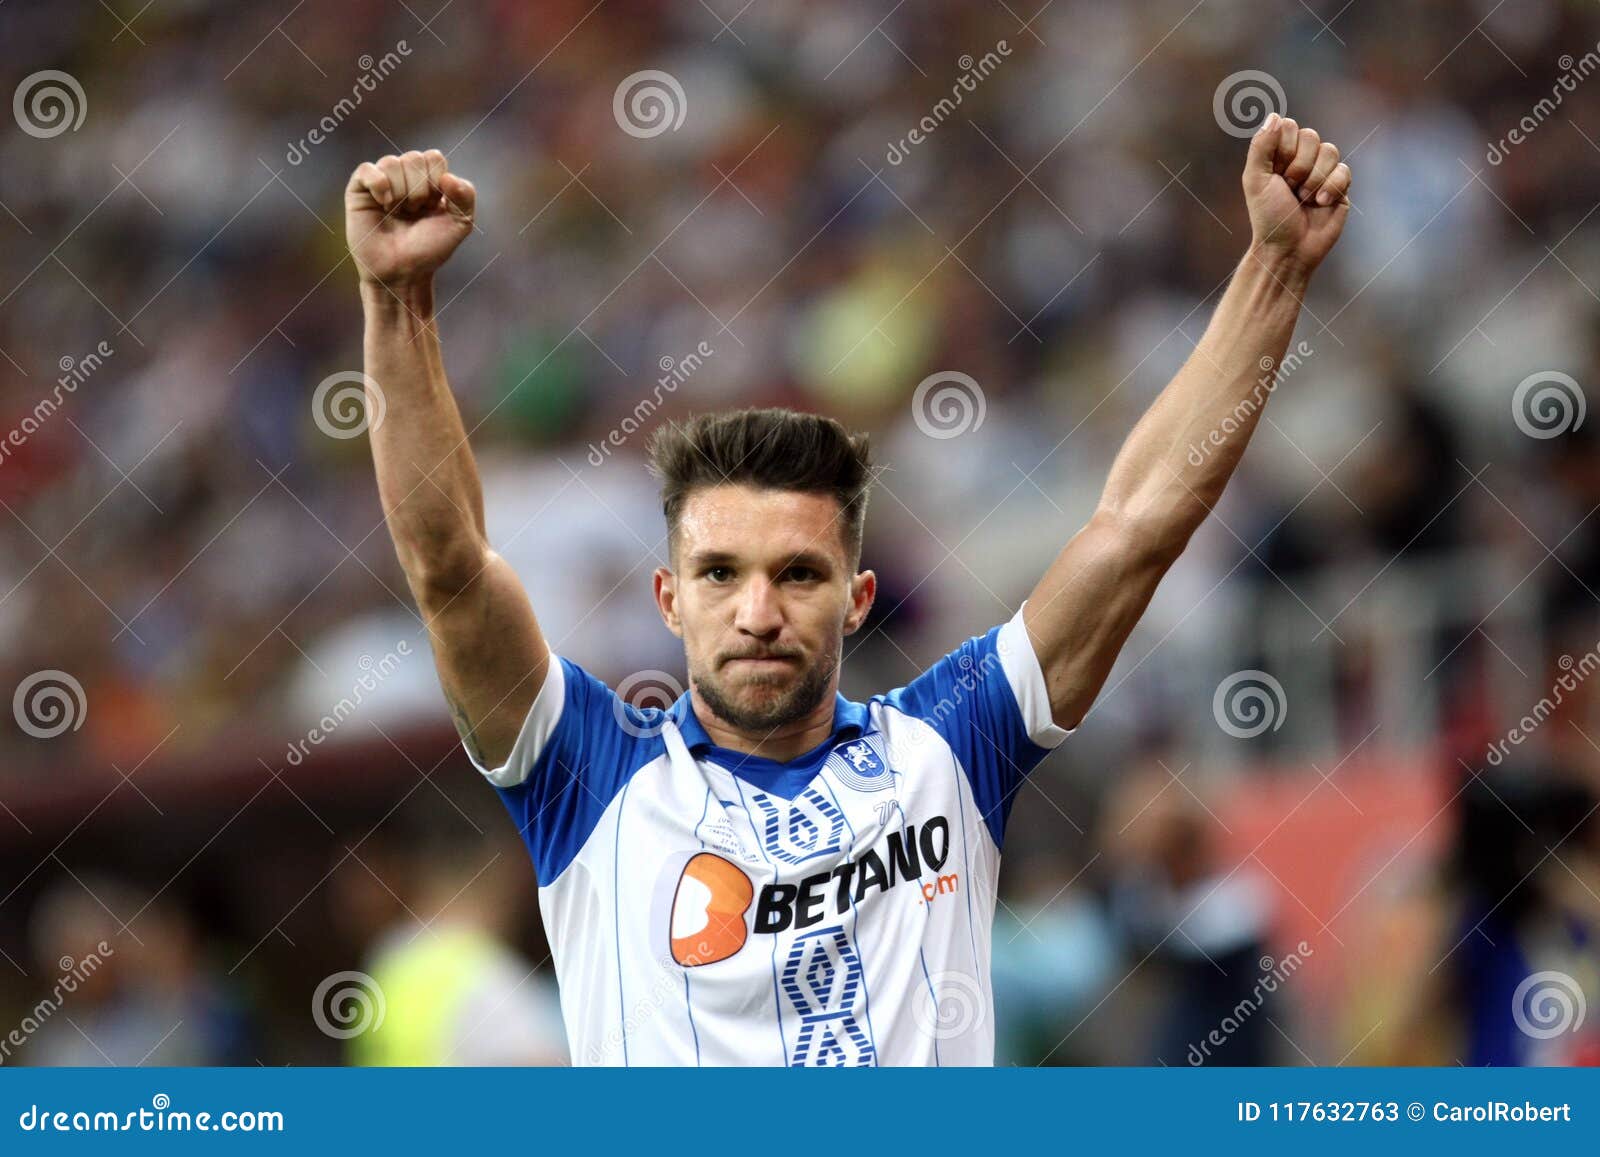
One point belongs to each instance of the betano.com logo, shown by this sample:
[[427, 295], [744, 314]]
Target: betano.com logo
[[712, 894]]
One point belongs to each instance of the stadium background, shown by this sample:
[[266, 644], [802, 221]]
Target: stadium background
[[1332, 754]]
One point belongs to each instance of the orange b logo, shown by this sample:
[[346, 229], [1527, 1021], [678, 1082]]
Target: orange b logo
[[708, 910]]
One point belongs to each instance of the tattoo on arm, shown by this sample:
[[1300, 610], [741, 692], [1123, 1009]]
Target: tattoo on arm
[[464, 728]]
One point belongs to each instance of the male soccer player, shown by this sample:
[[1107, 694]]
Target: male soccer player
[[767, 872]]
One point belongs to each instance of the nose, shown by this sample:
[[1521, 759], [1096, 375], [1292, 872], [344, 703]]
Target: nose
[[758, 612]]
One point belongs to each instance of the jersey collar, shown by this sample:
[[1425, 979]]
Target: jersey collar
[[849, 720]]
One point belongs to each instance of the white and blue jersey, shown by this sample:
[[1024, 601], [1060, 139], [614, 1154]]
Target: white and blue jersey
[[714, 908]]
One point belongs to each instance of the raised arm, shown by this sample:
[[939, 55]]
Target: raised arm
[[404, 217], [1174, 465]]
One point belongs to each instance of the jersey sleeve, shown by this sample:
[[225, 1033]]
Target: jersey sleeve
[[576, 750], [987, 699]]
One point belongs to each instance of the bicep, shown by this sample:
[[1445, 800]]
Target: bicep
[[1084, 608], [490, 654]]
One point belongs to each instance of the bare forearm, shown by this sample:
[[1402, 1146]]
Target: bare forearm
[[427, 478], [1174, 465]]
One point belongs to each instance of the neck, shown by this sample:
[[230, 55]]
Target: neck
[[781, 744]]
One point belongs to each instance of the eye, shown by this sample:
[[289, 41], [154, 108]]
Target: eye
[[718, 574], [801, 574]]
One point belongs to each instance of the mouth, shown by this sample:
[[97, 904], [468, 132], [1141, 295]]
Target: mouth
[[761, 663]]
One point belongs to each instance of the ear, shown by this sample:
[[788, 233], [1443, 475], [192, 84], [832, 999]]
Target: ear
[[863, 590], [666, 592]]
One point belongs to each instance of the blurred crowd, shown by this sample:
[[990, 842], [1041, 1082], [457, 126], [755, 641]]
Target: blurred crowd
[[192, 537]]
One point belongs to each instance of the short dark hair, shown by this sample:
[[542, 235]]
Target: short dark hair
[[774, 448]]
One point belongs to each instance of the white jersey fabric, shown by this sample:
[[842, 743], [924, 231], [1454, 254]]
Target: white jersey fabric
[[707, 907]]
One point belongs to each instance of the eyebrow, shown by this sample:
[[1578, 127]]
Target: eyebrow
[[813, 559]]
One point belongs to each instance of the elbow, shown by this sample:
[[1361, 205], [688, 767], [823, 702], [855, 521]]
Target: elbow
[[1148, 535], [442, 571]]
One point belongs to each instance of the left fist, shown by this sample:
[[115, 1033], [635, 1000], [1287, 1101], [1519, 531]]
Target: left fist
[[1297, 191]]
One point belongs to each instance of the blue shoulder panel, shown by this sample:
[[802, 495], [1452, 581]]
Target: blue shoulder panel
[[967, 699], [597, 745]]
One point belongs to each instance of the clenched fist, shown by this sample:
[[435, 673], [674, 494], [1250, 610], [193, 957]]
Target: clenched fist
[[1296, 189], [404, 216]]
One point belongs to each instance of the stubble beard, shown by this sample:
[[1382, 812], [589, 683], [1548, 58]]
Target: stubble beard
[[769, 715]]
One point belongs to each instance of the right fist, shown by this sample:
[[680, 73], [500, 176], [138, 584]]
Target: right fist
[[404, 216]]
